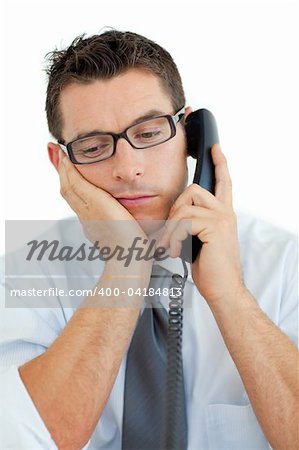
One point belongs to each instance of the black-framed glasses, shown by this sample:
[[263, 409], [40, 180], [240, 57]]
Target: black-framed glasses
[[100, 146]]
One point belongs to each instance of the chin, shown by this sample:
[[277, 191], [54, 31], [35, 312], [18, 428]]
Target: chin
[[150, 226], [151, 221]]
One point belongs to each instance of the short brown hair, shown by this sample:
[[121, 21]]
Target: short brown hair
[[104, 56]]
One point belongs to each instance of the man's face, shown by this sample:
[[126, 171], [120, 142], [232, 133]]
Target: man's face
[[112, 106]]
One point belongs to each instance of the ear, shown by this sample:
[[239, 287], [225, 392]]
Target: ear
[[188, 110], [53, 153]]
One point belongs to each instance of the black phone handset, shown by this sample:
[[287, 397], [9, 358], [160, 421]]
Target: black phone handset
[[201, 131]]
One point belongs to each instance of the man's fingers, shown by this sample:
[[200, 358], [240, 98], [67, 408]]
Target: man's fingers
[[74, 181], [194, 195], [67, 193], [223, 188], [183, 228], [186, 216]]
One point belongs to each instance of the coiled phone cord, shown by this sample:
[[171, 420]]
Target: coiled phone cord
[[174, 371]]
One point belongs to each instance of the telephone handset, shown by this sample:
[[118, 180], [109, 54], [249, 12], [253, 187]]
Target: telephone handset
[[201, 132]]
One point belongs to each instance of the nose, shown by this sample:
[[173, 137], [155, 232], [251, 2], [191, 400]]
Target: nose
[[128, 162]]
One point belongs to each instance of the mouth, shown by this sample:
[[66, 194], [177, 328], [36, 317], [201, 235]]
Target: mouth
[[136, 200]]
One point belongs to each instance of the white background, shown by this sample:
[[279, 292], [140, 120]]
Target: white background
[[238, 59]]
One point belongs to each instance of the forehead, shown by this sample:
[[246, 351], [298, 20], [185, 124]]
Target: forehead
[[111, 105]]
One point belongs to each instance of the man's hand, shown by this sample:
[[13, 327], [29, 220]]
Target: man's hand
[[259, 349], [100, 213], [216, 270]]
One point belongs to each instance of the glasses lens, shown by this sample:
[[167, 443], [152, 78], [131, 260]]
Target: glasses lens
[[93, 149], [150, 132]]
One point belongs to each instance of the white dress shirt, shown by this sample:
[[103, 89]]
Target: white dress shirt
[[220, 416]]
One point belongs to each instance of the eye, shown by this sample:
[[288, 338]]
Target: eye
[[94, 151], [148, 134], [94, 148]]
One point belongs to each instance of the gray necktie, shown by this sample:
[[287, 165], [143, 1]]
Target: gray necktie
[[145, 381]]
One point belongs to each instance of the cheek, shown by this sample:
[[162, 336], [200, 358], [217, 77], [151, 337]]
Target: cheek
[[172, 168], [93, 174], [171, 172]]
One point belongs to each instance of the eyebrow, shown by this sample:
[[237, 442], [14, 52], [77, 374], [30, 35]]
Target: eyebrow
[[148, 115]]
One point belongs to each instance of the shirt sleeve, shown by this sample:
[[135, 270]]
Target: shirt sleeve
[[21, 425], [25, 333]]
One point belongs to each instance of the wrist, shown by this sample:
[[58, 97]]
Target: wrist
[[120, 287], [118, 270], [230, 301]]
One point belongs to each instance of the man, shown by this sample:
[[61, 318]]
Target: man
[[64, 383]]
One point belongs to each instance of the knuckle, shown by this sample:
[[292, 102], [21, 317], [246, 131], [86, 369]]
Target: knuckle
[[63, 191], [87, 205], [73, 186], [226, 220], [223, 223], [185, 209], [180, 213], [196, 188]]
